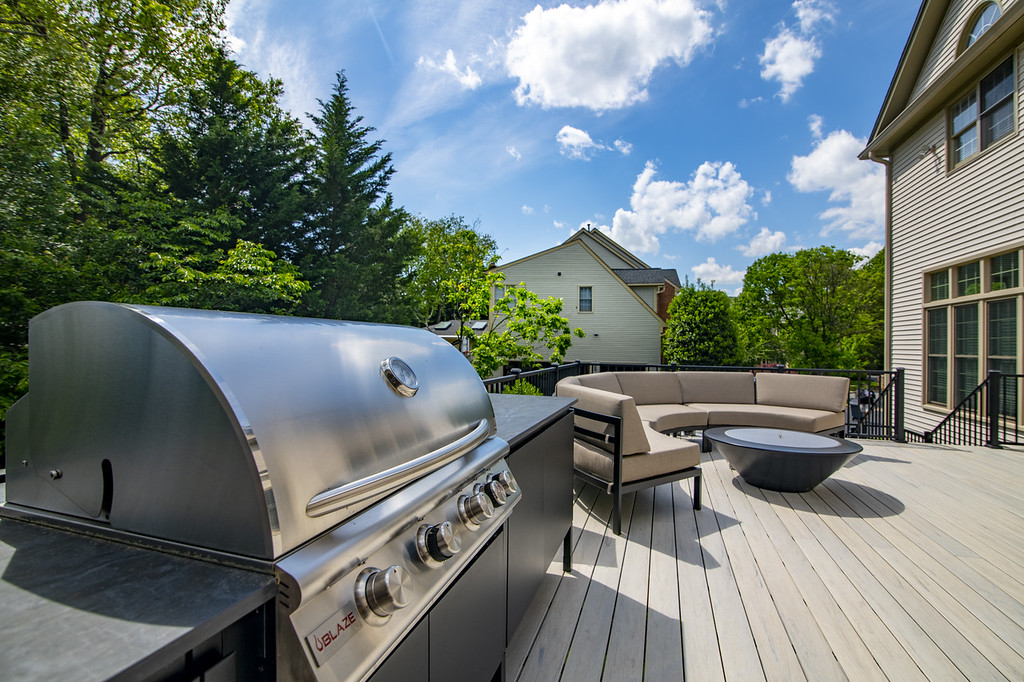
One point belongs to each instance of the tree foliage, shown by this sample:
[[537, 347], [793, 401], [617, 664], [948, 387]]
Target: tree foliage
[[701, 330], [812, 308], [357, 247], [522, 325], [451, 278]]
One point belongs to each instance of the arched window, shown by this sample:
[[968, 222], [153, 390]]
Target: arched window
[[983, 19]]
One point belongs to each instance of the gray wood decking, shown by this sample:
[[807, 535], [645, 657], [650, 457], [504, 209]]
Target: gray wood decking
[[908, 564]]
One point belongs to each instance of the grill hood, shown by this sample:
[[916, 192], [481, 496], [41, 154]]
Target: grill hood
[[245, 434]]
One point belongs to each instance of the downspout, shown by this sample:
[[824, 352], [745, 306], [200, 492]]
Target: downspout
[[887, 162]]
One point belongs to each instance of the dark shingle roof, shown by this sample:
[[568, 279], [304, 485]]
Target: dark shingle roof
[[647, 276]]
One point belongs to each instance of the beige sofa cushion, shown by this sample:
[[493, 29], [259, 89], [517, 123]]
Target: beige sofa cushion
[[803, 390], [770, 416], [717, 387], [651, 388], [668, 454], [672, 417], [604, 381], [616, 404]]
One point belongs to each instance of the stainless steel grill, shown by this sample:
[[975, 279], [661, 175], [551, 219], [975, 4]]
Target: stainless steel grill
[[355, 461]]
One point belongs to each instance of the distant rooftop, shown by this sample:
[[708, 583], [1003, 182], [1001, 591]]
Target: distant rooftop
[[647, 275]]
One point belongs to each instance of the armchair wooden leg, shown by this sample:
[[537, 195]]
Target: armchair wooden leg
[[696, 492], [617, 512]]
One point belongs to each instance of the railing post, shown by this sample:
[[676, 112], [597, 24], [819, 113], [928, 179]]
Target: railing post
[[992, 407], [900, 433]]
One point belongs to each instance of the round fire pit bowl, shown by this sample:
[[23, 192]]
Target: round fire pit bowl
[[780, 459]]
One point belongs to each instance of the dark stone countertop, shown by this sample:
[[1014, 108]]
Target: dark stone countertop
[[520, 417]]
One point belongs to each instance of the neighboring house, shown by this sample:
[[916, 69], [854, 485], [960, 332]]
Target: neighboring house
[[617, 299], [449, 331], [949, 136]]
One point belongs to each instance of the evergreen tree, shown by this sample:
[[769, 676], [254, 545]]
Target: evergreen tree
[[233, 151], [357, 247]]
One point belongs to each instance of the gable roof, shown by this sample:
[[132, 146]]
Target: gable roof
[[608, 243], [614, 273], [647, 276], [900, 115]]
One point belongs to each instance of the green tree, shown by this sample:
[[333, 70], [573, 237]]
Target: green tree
[[522, 323], [357, 248], [450, 277], [232, 149], [700, 330], [812, 308]]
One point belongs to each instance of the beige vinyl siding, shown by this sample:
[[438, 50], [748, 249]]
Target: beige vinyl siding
[[942, 217], [947, 42], [620, 329], [608, 256], [648, 294]]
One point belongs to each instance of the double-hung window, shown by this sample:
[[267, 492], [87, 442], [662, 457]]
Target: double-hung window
[[983, 116], [586, 300]]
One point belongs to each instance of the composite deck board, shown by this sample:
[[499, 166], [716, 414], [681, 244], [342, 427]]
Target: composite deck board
[[908, 564]]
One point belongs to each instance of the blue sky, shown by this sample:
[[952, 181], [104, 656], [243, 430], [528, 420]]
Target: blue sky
[[701, 135]]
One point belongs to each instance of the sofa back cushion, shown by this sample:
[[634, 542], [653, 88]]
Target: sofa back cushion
[[803, 390], [634, 440], [651, 388], [602, 381], [717, 387]]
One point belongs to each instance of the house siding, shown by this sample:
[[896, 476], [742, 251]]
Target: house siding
[[621, 328], [942, 217], [944, 50]]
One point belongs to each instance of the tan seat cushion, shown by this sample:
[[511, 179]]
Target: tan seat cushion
[[803, 390], [717, 387], [669, 455], [651, 388], [672, 417], [770, 416]]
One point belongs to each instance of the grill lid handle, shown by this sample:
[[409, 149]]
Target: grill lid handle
[[346, 495]]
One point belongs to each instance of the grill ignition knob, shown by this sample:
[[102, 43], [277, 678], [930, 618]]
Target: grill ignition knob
[[475, 509], [494, 491], [388, 590], [443, 541], [507, 481]]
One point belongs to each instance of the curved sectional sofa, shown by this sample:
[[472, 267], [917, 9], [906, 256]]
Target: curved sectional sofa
[[623, 419]]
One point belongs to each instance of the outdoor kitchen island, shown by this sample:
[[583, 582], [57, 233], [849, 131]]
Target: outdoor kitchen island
[[80, 607]]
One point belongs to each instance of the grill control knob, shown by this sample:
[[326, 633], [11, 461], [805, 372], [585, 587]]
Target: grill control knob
[[387, 590], [507, 481], [436, 544], [475, 509], [494, 491]]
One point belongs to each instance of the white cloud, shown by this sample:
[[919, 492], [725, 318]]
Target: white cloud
[[527, 210], [713, 203], [468, 79], [744, 103], [869, 249], [601, 56], [816, 123], [790, 55], [558, 224], [812, 12], [624, 147], [857, 186], [788, 58], [764, 243], [577, 144], [766, 198], [712, 271], [513, 152]]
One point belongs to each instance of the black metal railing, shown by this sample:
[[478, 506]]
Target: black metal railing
[[875, 409], [988, 416]]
